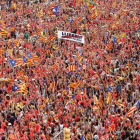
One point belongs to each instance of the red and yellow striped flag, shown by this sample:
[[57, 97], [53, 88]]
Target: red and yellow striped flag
[[2, 24], [55, 66], [13, 43], [71, 68], [53, 86], [3, 32], [40, 13], [79, 56], [95, 100], [133, 108], [109, 97], [34, 57], [74, 85]]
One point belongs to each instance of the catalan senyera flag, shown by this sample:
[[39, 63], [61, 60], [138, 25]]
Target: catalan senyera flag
[[133, 108], [95, 100], [52, 36], [109, 97], [1, 52], [71, 68], [38, 30], [2, 24], [119, 103], [79, 1], [90, 4], [40, 13], [53, 86], [55, 66], [20, 73], [49, 51], [74, 85], [94, 14], [3, 32], [35, 57]]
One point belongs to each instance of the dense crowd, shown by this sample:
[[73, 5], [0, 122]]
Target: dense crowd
[[47, 83]]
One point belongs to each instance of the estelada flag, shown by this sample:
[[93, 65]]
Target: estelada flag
[[53, 10]]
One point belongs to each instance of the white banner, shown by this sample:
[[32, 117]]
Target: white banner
[[71, 36]]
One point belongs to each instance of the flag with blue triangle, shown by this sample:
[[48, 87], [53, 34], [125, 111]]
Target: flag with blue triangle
[[29, 55], [12, 62], [12, 44], [79, 68], [53, 10], [67, 86], [114, 39], [107, 41], [109, 88], [24, 59], [15, 87], [69, 73]]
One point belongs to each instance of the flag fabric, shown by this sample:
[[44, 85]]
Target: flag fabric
[[95, 100], [1, 52], [114, 39], [55, 66], [38, 30], [34, 57], [53, 86], [16, 62], [133, 108], [90, 4], [2, 24], [79, 68], [20, 88], [40, 13], [29, 55], [69, 73], [53, 10], [78, 2], [15, 87], [40, 27], [24, 59], [107, 41], [82, 138], [67, 88], [52, 36], [13, 43], [74, 3], [41, 37], [79, 56], [71, 68], [27, 61], [74, 85], [119, 103], [3, 32], [109, 98], [109, 88]]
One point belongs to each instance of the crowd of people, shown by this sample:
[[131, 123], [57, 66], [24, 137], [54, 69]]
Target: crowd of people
[[47, 83]]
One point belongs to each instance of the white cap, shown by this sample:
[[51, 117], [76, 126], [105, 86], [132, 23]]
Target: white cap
[[9, 124]]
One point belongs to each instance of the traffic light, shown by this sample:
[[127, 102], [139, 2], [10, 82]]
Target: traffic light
[[66, 134]]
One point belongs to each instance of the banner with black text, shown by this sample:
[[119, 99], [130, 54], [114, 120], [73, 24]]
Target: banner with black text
[[71, 36]]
